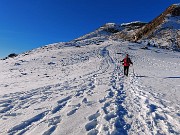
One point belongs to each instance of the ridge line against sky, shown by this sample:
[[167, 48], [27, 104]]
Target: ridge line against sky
[[30, 24]]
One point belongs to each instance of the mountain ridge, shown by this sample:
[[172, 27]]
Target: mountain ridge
[[167, 22], [174, 10], [163, 31]]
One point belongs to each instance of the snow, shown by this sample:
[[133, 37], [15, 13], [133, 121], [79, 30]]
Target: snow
[[110, 24], [166, 35], [178, 4], [129, 23], [63, 89], [172, 22]]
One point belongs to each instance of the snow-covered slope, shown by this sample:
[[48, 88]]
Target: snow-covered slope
[[167, 35], [98, 36], [129, 30], [125, 31], [62, 89], [104, 31], [78, 87], [163, 31]]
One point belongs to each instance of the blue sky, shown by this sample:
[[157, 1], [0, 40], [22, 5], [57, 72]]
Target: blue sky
[[28, 24]]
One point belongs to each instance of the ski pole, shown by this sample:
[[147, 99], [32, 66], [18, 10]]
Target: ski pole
[[133, 72]]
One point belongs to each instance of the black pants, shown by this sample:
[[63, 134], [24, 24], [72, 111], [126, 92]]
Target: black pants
[[126, 70]]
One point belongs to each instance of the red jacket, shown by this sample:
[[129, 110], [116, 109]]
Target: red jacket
[[127, 61]]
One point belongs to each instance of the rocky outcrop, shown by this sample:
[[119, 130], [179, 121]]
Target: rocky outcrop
[[163, 31], [128, 30], [173, 10]]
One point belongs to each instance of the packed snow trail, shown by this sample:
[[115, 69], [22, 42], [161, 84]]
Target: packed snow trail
[[83, 91], [149, 115]]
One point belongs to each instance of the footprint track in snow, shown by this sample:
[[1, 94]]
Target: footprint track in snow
[[61, 104], [113, 110], [74, 109], [148, 113], [93, 122], [23, 127], [52, 124], [22, 100]]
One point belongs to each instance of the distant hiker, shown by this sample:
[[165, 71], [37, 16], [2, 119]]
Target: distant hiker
[[126, 62]]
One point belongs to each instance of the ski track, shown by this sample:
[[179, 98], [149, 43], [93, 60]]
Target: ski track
[[125, 109]]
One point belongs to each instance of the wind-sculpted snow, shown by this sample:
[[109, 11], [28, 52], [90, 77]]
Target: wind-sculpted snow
[[62, 89]]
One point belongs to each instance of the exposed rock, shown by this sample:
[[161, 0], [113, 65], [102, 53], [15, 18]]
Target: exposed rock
[[173, 10]]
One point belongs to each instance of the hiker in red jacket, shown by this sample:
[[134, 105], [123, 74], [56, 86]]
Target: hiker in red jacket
[[126, 62]]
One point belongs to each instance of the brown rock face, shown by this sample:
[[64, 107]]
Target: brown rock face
[[173, 10]]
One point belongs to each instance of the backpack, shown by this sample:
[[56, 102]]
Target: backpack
[[126, 61]]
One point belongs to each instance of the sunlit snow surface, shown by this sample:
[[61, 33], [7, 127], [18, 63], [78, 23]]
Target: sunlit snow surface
[[61, 89]]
